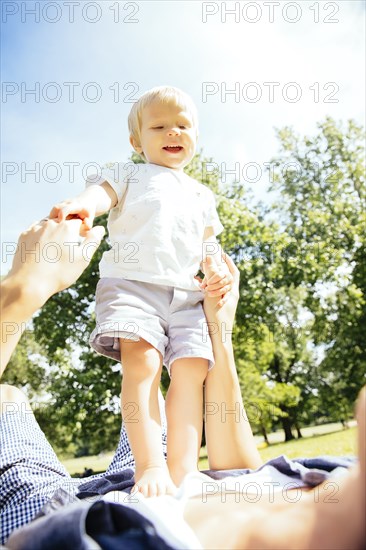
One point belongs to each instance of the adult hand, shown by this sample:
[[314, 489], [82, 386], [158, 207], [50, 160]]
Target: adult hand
[[222, 316], [50, 257], [217, 282]]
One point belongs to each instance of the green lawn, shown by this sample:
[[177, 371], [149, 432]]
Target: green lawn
[[340, 443], [98, 463], [337, 443]]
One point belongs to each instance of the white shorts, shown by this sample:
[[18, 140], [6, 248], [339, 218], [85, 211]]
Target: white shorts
[[171, 319]]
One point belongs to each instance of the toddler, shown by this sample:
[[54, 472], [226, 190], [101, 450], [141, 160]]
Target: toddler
[[148, 302]]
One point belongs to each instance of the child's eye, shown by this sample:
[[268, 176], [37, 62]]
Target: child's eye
[[157, 127], [182, 127]]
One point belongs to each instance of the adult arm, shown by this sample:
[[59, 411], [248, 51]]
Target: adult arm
[[33, 279], [229, 437]]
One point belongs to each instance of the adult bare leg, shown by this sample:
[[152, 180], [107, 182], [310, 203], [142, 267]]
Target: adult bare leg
[[12, 399]]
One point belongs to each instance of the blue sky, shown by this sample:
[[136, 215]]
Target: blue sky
[[312, 49]]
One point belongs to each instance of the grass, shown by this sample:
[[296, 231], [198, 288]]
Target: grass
[[316, 442], [98, 463], [340, 443]]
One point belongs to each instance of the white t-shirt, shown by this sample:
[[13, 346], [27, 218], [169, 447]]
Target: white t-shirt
[[156, 228]]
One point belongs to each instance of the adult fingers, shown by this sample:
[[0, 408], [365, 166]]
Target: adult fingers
[[91, 242], [232, 267], [220, 276], [209, 265]]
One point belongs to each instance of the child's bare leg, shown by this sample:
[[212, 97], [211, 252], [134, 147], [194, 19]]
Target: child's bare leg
[[184, 410], [142, 365]]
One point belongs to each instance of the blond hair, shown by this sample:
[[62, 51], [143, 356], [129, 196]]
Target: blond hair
[[164, 94]]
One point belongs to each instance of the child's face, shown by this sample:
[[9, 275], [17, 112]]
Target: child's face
[[168, 135]]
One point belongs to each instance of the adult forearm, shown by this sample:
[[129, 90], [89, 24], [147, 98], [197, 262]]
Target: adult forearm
[[19, 301], [229, 437]]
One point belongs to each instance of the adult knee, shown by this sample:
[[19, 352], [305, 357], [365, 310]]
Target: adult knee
[[11, 398]]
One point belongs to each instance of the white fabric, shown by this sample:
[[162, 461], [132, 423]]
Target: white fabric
[[166, 514], [156, 229], [267, 480]]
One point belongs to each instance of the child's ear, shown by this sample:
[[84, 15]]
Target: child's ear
[[136, 145]]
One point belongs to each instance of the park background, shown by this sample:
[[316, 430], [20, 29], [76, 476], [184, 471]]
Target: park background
[[280, 90]]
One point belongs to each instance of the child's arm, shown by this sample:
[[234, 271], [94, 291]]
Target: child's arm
[[220, 282], [93, 201]]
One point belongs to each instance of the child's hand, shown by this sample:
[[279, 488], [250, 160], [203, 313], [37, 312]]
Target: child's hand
[[218, 279], [216, 315], [75, 208]]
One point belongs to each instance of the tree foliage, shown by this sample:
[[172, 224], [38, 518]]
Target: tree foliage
[[323, 205]]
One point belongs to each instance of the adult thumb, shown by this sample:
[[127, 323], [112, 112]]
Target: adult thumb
[[210, 267], [210, 263], [91, 243], [95, 235]]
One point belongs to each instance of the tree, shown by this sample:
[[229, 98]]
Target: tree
[[265, 400], [27, 368], [321, 182]]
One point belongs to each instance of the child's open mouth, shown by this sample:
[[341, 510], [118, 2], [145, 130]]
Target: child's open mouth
[[173, 148]]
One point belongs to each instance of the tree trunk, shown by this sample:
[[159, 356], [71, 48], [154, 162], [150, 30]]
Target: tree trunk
[[298, 431], [264, 433], [286, 425], [203, 443]]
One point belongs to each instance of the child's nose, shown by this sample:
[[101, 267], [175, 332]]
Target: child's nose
[[174, 131]]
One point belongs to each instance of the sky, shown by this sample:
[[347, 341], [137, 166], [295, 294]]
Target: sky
[[71, 71]]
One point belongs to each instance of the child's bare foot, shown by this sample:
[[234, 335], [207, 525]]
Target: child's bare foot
[[154, 481]]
